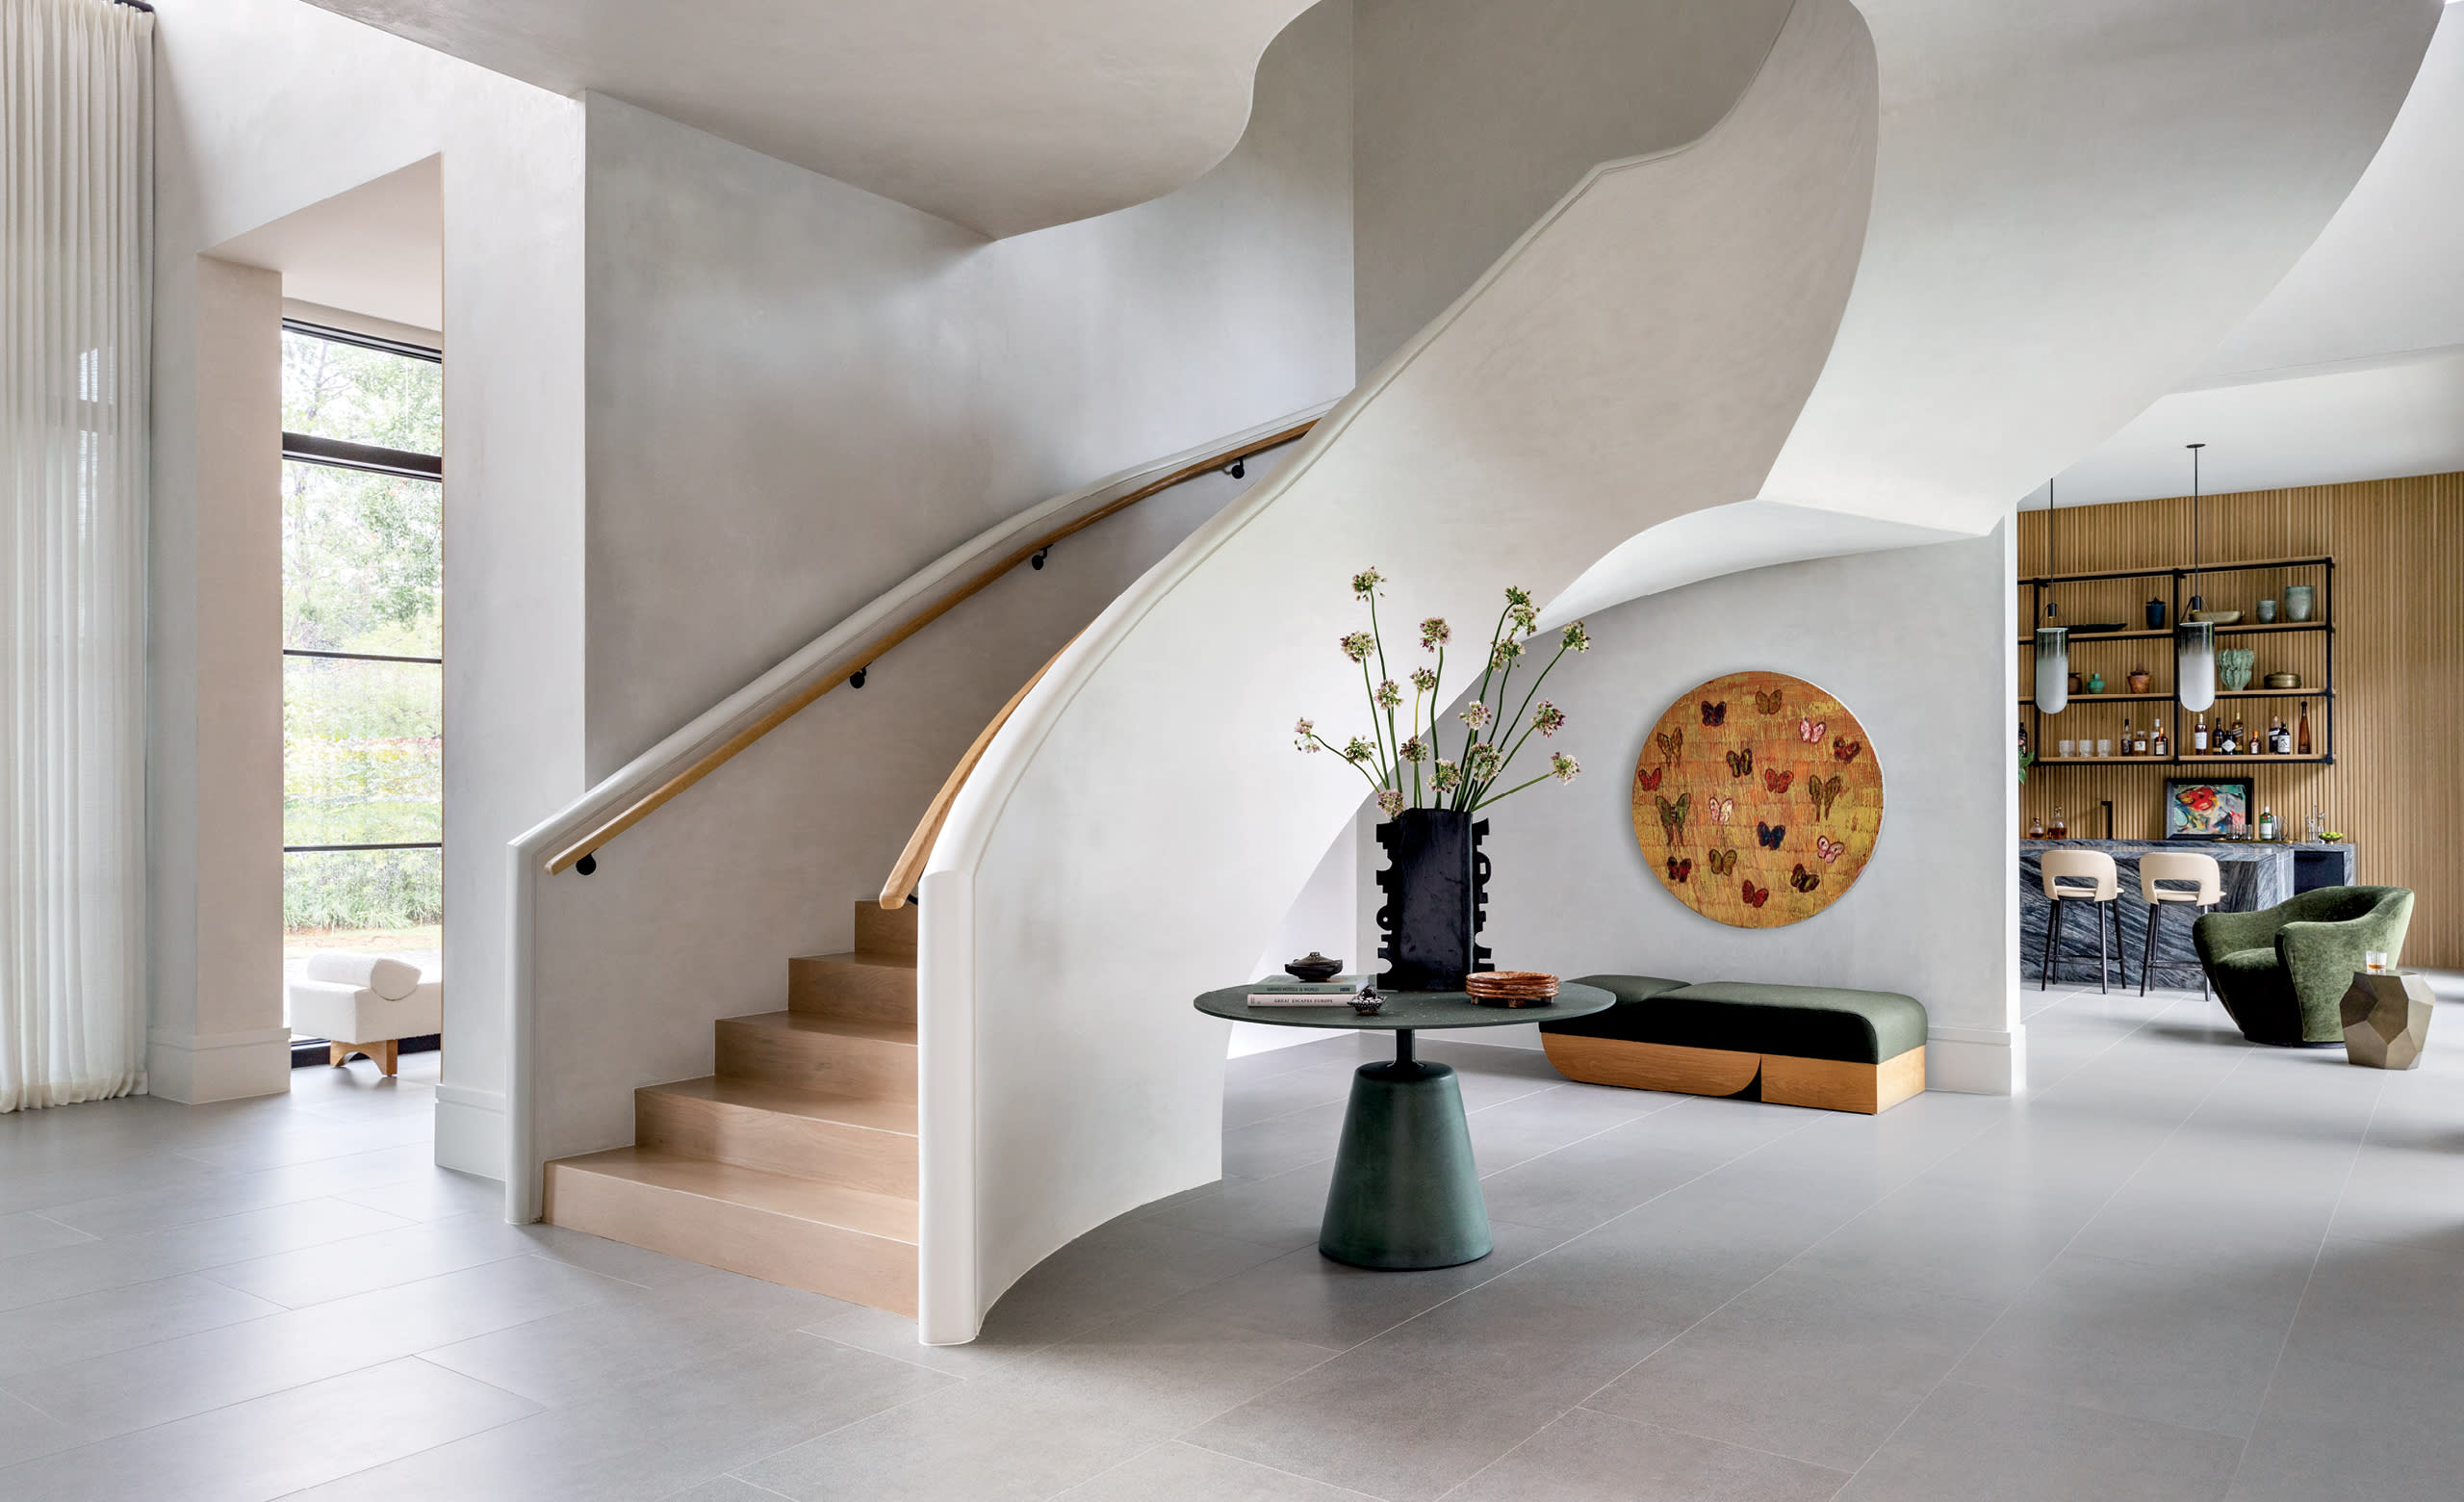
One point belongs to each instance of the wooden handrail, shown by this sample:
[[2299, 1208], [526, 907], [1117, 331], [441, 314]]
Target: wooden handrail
[[647, 803], [910, 869]]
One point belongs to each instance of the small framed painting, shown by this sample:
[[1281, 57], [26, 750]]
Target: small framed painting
[[2207, 808]]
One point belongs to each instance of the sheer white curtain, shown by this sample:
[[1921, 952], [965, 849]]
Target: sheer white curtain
[[76, 195]]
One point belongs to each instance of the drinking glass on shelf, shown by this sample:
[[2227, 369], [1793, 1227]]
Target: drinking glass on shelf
[[2104, 748], [2374, 961], [2070, 748]]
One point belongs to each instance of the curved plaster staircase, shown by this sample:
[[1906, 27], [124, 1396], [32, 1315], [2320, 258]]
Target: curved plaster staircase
[[796, 1161]]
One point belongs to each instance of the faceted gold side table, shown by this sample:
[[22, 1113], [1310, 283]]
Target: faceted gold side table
[[2386, 1019]]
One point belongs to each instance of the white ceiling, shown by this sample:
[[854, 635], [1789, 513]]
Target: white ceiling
[[1004, 118], [377, 250], [2353, 367]]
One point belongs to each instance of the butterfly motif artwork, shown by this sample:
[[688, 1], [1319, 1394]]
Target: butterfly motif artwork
[[1703, 784], [1672, 816]]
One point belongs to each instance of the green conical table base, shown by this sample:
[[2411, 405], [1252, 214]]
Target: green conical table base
[[1405, 1193]]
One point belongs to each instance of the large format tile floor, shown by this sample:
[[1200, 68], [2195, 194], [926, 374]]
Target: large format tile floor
[[2180, 1268]]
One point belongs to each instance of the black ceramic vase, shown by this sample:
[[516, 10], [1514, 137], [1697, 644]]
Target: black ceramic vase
[[1436, 883]]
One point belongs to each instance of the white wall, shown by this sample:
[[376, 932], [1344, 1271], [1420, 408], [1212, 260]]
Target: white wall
[[264, 108], [1471, 118], [801, 392], [1909, 640]]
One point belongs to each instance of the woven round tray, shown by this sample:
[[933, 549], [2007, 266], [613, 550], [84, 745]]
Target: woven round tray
[[1511, 988]]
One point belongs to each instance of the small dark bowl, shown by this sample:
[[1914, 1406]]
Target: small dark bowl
[[1314, 967], [1368, 1008]]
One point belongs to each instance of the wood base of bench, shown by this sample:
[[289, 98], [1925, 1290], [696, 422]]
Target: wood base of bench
[[1826, 1084]]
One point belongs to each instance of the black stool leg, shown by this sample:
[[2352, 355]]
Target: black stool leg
[[2052, 932], [2148, 957], [2121, 945], [2104, 958]]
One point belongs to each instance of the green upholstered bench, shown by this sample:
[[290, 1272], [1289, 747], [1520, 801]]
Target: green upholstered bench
[[1817, 1046]]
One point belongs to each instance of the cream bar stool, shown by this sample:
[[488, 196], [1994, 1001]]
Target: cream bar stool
[[2082, 876], [2175, 866]]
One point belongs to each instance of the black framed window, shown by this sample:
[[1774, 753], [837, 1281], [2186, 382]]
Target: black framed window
[[362, 642]]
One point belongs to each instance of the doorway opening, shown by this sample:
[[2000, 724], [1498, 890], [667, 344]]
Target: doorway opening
[[363, 661]]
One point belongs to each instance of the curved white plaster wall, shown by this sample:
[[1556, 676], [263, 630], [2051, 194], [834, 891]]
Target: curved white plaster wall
[[2072, 205], [1132, 839], [998, 115]]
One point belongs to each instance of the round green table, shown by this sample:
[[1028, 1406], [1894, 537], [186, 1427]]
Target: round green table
[[1405, 1193]]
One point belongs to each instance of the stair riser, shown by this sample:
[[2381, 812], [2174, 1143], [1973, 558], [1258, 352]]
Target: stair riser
[[776, 1141], [866, 993], [827, 1063], [881, 931], [779, 1249]]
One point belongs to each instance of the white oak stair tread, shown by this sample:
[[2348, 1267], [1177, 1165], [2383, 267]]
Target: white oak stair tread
[[886, 1216], [863, 1027], [870, 1114]]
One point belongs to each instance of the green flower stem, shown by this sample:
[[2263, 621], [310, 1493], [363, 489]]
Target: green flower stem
[[1510, 791], [1348, 762], [1393, 745], [1471, 733], [1517, 747]]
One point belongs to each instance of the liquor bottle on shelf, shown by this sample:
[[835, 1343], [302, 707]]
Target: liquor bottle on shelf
[[2302, 743], [2140, 746], [2059, 830], [2157, 744], [2036, 828], [2237, 739], [2280, 737], [2267, 822], [2198, 735], [2125, 745]]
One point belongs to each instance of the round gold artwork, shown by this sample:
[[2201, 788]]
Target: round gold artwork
[[1757, 799]]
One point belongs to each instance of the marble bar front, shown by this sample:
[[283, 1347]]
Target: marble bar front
[[2256, 875]]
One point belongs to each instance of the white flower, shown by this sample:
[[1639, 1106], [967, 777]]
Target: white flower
[[1391, 801], [1475, 714], [1547, 718], [1365, 582], [1423, 680], [1305, 734], [1358, 750], [1563, 767], [1358, 645], [1435, 632], [1576, 639], [1411, 750], [1390, 693]]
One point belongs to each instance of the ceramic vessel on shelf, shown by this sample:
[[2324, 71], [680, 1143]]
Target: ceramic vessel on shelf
[[2155, 615], [2218, 618], [2284, 680], [2095, 682], [2267, 612], [2139, 679], [1313, 967], [2078, 685], [2233, 668], [2300, 600]]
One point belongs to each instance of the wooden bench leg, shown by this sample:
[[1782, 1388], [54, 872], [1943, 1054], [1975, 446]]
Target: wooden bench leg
[[386, 1054], [1835, 1085], [340, 1052]]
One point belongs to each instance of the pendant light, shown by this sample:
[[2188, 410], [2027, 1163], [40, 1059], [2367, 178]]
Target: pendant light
[[2195, 641], [2053, 638]]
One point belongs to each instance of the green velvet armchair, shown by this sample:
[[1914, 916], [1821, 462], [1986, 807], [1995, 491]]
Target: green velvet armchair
[[2281, 973]]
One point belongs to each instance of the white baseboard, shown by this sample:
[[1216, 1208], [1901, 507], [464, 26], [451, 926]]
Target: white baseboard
[[1977, 1060], [195, 1068], [471, 1131]]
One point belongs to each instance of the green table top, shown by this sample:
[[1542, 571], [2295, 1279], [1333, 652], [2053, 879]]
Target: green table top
[[1405, 1009]]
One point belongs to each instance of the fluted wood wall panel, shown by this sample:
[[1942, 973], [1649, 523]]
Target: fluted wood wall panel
[[2397, 786]]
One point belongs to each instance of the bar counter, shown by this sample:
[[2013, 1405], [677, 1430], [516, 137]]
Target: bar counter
[[2256, 875]]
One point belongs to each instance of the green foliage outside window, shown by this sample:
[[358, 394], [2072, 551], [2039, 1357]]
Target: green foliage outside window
[[362, 571]]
